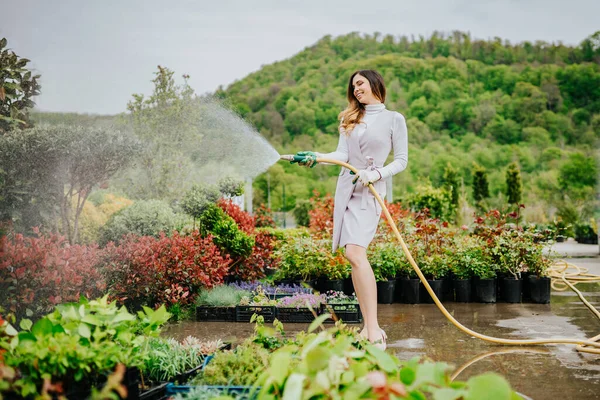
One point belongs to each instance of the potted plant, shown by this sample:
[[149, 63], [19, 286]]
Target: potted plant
[[538, 282], [258, 303], [484, 278], [342, 307], [169, 360], [302, 260], [466, 257], [218, 303], [384, 261], [434, 267], [295, 308], [334, 272]]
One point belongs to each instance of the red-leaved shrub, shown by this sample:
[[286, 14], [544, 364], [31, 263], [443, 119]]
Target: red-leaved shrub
[[244, 220], [253, 266], [263, 217], [166, 270], [321, 216], [38, 272]]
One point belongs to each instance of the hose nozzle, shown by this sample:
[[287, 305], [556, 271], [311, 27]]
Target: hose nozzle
[[291, 157]]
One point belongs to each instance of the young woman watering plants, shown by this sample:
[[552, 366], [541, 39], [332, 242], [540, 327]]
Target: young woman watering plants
[[368, 133]]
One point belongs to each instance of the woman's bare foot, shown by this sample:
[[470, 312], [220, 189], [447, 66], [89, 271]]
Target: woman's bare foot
[[378, 338], [364, 333]]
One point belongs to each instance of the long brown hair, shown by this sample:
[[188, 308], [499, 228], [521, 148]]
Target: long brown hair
[[353, 114]]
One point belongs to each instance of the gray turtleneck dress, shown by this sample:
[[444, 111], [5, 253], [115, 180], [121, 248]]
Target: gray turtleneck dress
[[356, 211]]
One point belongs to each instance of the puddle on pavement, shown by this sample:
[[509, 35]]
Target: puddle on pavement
[[540, 372]]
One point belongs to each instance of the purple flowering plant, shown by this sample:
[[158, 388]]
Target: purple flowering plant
[[270, 289], [334, 297], [299, 300]]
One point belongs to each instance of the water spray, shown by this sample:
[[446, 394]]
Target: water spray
[[591, 345]]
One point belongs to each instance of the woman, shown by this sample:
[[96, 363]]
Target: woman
[[368, 132]]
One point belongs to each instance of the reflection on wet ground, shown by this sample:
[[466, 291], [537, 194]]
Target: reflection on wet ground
[[542, 372]]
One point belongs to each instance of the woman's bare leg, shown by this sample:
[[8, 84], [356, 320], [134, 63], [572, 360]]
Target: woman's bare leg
[[366, 289]]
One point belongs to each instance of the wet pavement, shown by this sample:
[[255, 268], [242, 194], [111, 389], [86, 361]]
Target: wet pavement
[[540, 372]]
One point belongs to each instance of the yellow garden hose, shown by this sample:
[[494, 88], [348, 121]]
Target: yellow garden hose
[[591, 345]]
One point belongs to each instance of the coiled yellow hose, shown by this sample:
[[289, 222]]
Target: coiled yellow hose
[[560, 274]]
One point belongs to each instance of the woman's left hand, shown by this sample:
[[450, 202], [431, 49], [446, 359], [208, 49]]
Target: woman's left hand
[[368, 176]]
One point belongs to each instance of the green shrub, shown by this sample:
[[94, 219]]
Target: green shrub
[[239, 367], [437, 200], [467, 258], [385, 259], [231, 187], [226, 233], [302, 258], [142, 218], [301, 212], [198, 199], [221, 296], [434, 266], [584, 233]]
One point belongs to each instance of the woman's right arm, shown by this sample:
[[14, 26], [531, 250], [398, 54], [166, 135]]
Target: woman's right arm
[[341, 153]]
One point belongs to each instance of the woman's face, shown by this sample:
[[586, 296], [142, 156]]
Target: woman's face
[[362, 90]]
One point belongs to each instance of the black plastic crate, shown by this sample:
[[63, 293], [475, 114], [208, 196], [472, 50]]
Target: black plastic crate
[[349, 313], [206, 313], [237, 392], [156, 393], [244, 313], [293, 314]]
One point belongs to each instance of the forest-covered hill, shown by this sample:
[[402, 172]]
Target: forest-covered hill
[[466, 101]]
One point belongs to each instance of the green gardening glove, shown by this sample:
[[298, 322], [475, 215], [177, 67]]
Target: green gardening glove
[[306, 158]]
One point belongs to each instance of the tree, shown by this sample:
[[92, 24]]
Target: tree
[[578, 172], [49, 172], [480, 183], [451, 183], [513, 184], [17, 87], [168, 123]]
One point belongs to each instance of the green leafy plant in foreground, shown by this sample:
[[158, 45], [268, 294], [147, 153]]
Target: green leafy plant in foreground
[[168, 358], [80, 343], [335, 363]]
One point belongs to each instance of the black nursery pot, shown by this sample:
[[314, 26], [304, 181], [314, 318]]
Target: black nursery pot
[[485, 290], [436, 285], [539, 289], [511, 289], [348, 286], [385, 291], [447, 288], [336, 284], [462, 290], [311, 283], [410, 291], [398, 289]]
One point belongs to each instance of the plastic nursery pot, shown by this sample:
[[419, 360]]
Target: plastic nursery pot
[[411, 289], [485, 290], [526, 292], [447, 288], [336, 284], [348, 286], [462, 290], [311, 283], [436, 285], [539, 287], [398, 289], [511, 289], [385, 291]]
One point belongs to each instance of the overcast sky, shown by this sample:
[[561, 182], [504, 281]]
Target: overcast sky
[[93, 54]]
